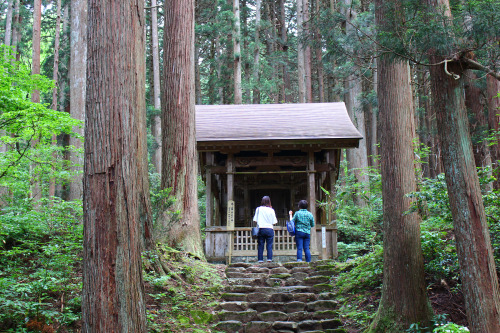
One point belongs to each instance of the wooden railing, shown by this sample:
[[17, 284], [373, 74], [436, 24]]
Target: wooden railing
[[218, 237], [244, 245]]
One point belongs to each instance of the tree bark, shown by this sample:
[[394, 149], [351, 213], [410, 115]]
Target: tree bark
[[493, 100], [285, 86], [404, 296], [15, 26], [475, 255], [156, 125], [301, 69], [256, 55], [116, 201], [36, 189], [357, 158], [179, 167], [238, 96], [8, 23], [307, 53], [55, 76], [77, 78], [477, 267], [37, 25], [473, 104]]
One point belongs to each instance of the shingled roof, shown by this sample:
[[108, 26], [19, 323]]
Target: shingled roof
[[325, 124]]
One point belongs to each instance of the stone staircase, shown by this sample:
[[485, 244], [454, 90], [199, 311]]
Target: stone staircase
[[273, 297]]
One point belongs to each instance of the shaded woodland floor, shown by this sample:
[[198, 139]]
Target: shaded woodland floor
[[186, 300]]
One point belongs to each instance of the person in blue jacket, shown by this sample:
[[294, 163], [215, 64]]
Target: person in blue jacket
[[304, 221]]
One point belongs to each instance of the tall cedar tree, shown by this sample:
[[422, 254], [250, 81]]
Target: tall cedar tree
[[115, 184], [475, 255], [179, 160], [77, 77], [156, 125], [404, 296]]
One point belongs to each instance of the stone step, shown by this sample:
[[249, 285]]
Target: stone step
[[321, 305], [293, 297], [318, 279], [299, 276], [240, 264], [258, 327], [241, 288], [241, 316], [229, 326], [256, 269], [294, 289], [246, 281], [295, 264], [245, 275], [327, 296], [322, 287], [233, 306], [328, 273], [234, 297]]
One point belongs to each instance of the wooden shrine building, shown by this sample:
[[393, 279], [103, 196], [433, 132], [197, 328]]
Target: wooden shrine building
[[285, 151]]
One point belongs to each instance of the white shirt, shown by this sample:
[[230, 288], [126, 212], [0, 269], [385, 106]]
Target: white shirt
[[265, 217]]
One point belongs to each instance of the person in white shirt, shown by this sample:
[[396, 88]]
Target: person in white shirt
[[265, 217]]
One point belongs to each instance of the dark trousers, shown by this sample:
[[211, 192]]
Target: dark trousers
[[266, 235], [303, 242]]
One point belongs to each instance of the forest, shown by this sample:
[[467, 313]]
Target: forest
[[102, 200]]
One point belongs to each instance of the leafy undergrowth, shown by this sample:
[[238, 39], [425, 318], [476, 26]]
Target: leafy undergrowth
[[184, 299], [358, 284], [41, 277]]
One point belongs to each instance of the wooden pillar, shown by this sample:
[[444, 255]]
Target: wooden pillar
[[246, 200], [230, 197], [209, 193], [311, 182]]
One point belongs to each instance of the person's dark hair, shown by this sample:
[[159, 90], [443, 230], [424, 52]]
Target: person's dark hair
[[266, 201], [303, 204]]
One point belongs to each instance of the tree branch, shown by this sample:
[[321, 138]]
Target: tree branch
[[475, 65]]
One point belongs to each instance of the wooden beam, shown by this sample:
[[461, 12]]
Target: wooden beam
[[318, 168]]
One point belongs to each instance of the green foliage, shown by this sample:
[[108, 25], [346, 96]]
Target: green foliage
[[41, 251], [27, 130], [361, 273], [358, 286], [183, 305], [359, 227], [439, 324]]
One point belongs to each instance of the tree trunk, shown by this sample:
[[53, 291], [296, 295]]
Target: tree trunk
[[55, 76], [36, 189], [156, 125], [15, 26], [475, 255], [285, 87], [404, 296], [357, 158], [238, 96], [256, 55], [246, 60], [37, 25], [8, 23], [493, 100], [301, 69], [307, 53], [473, 104], [477, 267], [179, 167], [116, 197], [77, 79], [198, 93]]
